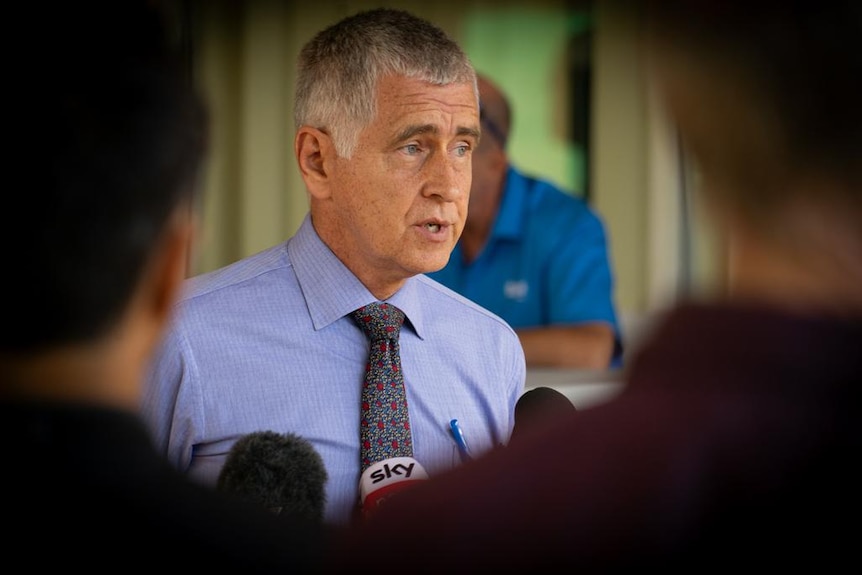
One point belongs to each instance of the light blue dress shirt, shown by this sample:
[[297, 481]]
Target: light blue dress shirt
[[267, 343], [545, 263]]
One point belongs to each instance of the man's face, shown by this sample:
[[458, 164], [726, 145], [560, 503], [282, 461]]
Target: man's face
[[400, 202]]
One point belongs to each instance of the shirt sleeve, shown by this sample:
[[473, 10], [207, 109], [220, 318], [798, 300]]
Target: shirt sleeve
[[170, 400], [580, 281]]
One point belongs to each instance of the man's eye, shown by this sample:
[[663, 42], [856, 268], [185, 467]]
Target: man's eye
[[411, 149], [462, 150]]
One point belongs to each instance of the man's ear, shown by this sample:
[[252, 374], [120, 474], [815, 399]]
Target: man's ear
[[315, 155]]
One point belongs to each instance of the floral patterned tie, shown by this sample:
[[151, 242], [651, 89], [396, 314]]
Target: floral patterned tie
[[384, 427]]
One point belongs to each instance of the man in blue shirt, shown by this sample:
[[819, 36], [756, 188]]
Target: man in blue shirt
[[534, 255], [385, 127]]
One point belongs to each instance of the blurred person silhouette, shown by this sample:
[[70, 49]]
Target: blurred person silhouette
[[733, 444], [387, 116], [109, 136], [535, 255]]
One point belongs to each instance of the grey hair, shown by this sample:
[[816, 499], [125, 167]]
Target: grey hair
[[340, 66]]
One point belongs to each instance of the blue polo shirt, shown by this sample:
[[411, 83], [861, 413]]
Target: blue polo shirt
[[545, 263]]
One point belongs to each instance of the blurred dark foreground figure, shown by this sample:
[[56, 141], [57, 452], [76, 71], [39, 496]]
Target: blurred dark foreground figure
[[734, 444], [106, 140]]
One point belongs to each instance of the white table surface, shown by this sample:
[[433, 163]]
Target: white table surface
[[585, 388]]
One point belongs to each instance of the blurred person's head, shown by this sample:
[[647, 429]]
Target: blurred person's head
[[490, 161], [386, 113], [108, 139], [766, 101]]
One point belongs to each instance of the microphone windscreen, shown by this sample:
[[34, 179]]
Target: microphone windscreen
[[281, 472], [538, 408]]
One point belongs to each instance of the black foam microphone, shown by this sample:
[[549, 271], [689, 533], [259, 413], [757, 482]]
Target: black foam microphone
[[537, 408], [281, 472]]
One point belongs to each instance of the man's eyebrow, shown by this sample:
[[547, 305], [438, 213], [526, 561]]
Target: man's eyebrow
[[414, 130], [466, 131], [419, 129]]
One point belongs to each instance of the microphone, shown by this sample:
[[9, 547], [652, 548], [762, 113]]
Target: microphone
[[383, 479], [537, 408], [281, 472]]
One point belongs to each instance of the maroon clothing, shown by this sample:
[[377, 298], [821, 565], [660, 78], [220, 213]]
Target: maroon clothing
[[734, 445]]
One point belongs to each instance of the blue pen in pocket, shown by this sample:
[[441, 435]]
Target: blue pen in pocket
[[459, 440]]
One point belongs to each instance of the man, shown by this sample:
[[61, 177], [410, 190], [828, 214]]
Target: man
[[108, 139], [534, 255], [386, 115], [733, 444]]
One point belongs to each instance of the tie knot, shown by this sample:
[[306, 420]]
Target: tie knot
[[379, 320]]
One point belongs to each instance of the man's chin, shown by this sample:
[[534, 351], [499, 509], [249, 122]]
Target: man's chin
[[429, 265]]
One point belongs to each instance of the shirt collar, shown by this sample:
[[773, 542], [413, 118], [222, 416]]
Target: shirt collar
[[331, 291]]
